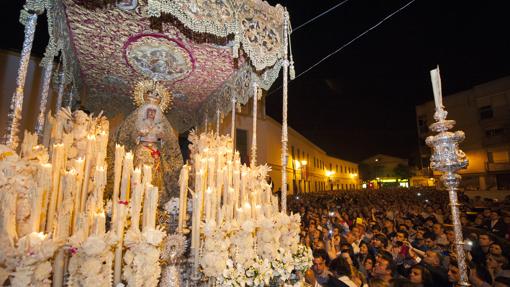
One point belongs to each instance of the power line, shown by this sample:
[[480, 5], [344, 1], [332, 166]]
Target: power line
[[348, 43], [320, 15]]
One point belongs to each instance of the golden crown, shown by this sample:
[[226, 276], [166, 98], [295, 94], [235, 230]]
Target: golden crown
[[152, 92]]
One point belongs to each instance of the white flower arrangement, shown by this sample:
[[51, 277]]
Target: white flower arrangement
[[33, 268], [253, 253], [262, 246], [91, 263], [215, 251], [141, 259]]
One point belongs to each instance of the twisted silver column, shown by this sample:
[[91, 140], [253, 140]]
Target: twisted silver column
[[449, 159], [16, 107]]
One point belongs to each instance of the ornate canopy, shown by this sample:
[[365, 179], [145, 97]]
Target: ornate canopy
[[203, 51]]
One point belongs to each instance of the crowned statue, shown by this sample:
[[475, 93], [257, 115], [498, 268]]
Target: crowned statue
[[151, 137]]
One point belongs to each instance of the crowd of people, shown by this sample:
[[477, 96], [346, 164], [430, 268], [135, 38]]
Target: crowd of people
[[402, 237]]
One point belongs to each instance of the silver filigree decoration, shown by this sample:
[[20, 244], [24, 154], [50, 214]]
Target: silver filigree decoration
[[48, 69], [16, 106], [449, 159], [255, 24]]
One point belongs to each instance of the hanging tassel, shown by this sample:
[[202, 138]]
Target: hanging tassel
[[292, 71]]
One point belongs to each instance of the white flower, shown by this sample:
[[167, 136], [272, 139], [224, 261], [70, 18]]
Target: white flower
[[94, 246], [172, 206], [153, 236], [248, 226]]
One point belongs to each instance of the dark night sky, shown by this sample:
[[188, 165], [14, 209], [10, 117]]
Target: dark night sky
[[361, 101]]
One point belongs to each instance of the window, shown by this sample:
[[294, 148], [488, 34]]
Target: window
[[490, 157], [422, 124], [242, 145], [494, 132], [485, 112]]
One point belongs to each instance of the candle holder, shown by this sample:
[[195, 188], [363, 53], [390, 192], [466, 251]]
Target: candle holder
[[449, 159]]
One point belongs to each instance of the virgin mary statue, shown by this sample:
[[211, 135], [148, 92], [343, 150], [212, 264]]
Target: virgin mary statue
[[152, 139]]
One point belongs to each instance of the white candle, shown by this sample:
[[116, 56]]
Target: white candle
[[38, 215], [258, 212], [78, 165], [36, 205], [220, 215], [247, 211], [136, 198], [215, 205], [91, 142], [436, 87], [100, 183], [119, 156], [230, 203], [102, 144], [65, 211], [136, 176], [127, 170], [98, 228], [244, 182], [210, 171], [183, 192], [150, 207], [56, 162], [237, 183], [63, 224], [147, 174], [120, 217], [239, 215], [208, 204]]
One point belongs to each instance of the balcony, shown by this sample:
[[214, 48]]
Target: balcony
[[497, 166]]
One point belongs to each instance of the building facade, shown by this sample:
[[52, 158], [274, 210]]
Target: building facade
[[309, 168], [483, 113], [381, 170]]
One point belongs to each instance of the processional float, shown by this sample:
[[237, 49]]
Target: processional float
[[93, 191]]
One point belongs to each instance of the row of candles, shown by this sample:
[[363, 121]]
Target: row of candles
[[82, 179], [68, 199], [224, 190], [132, 189]]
